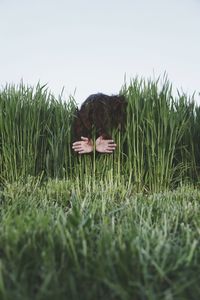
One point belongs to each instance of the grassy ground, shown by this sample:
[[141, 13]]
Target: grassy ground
[[99, 241]]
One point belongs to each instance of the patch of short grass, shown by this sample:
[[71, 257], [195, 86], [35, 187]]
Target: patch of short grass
[[59, 242]]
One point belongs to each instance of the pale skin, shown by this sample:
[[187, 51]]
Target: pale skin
[[101, 145]]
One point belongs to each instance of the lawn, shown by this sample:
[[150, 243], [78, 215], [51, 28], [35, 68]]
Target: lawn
[[102, 242]]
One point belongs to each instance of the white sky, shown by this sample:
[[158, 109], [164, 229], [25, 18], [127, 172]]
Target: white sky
[[90, 45]]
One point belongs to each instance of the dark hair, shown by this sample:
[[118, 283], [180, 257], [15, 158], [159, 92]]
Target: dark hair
[[100, 113]]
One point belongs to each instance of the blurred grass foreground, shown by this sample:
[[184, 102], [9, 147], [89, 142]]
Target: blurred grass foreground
[[120, 226]]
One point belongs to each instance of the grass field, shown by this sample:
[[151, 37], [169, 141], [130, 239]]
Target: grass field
[[120, 226], [58, 241]]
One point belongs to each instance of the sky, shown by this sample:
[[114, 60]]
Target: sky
[[88, 47]]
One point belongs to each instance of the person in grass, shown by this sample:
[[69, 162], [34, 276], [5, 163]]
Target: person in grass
[[98, 115]]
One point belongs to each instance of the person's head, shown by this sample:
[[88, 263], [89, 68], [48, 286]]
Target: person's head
[[103, 112]]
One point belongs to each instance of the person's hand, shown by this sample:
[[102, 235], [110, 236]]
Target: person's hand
[[105, 146], [84, 146]]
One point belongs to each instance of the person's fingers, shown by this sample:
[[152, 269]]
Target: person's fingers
[[109, 148], [110, 141], [78, 149], [84, 138], [78, 146], [77, 143], [82, 152], [108, 151]]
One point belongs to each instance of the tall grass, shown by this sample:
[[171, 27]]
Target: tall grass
[[158, 149], [87, 227], [157, 130], [35, 133]]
